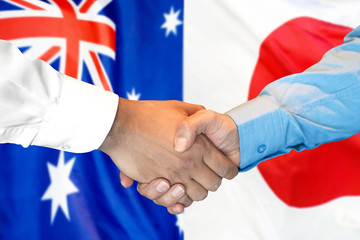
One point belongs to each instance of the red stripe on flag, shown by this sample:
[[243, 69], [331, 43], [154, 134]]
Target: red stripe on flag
[[27, 27], [86, 6], [100, 71], [50, 53], [27, 5], [69, 27]]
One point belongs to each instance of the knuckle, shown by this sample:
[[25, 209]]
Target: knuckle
[[215, 185], [146, 193], [150, 195], [201, 195], [163, 201], [222, 169], [231, 173], [186, 201], [225, 170], [167, 202], [202, 107], [186, 163], [211, 113], [184, 125], [235, 172]]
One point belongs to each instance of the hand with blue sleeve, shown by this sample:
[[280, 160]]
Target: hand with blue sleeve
[[300, 111]]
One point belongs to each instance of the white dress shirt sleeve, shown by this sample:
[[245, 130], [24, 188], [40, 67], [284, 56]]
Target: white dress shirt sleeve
[[40, 106]]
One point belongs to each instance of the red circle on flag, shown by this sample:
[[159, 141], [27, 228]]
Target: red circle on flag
[[316, 176]]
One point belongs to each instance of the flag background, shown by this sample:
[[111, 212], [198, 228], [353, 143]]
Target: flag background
[[139, 62], [222, 42]]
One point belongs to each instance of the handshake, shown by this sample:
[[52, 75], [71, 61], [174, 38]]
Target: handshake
[[176, 151]]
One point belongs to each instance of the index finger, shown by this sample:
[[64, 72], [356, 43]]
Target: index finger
[[217, 161]]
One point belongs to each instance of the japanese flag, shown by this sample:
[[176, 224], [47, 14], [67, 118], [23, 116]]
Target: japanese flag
[[234, 48]]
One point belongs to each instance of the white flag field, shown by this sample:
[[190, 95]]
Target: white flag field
[[232, 49]]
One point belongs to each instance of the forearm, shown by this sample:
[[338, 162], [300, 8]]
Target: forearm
[[40, 106], [304, 110]]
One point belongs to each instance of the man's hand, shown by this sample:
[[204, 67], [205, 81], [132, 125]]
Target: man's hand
[[140, 143], [159, 190], [219, 128]]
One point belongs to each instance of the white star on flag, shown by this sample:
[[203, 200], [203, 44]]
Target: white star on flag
[[171, 21], [133, 95], [60, 186]]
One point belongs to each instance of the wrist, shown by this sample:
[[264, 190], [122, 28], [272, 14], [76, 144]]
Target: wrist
[[233, 139], [111, 138]]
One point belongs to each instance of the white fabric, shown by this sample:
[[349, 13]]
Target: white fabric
[[40, 106]]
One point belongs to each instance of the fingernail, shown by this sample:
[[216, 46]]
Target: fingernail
[[176, 210], [162, 187], [177, 192], [180, 144]]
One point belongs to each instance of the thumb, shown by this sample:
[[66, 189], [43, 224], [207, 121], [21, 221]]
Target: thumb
[[190, 127]]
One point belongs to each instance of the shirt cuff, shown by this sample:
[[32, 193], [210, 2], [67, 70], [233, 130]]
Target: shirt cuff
[[81, 120], [261, 131]]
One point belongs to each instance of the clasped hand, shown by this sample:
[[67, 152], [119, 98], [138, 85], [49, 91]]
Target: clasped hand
[[175, 150]]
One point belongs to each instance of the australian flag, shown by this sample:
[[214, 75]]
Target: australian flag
[[133, 48]]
